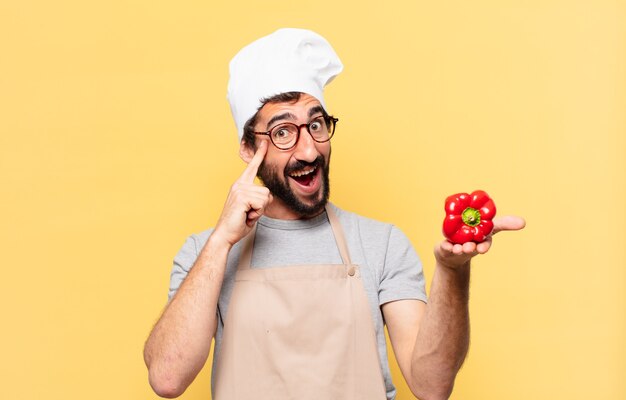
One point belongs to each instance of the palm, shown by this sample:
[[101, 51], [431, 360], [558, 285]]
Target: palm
[[455, 255]]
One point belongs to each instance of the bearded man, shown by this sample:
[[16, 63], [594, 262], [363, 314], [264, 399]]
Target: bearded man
[[295, 291]]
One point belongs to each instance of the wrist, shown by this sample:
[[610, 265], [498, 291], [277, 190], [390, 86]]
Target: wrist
[[217, 242], [448, 260], [459, 274], [455, 280], [218, 245], [464, 267], [214, 255]]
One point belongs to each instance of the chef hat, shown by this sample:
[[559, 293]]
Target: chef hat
[[288, 60]]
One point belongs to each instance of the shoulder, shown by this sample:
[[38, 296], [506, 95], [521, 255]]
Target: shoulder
[[194, 243], [374, 236], [367, 228], [355, 219]]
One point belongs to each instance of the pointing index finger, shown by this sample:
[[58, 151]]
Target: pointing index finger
[[253, 166]]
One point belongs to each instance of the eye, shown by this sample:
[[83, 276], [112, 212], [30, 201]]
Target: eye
[[317, 125], [281, 134]]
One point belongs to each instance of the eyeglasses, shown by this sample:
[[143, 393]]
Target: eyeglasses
[[285, 136]]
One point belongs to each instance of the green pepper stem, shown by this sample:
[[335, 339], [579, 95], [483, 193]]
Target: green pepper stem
[[471, 216]]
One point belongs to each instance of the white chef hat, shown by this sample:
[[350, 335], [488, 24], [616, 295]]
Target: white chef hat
[[288, 60]]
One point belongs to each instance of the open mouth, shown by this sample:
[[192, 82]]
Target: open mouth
[[304, 176]]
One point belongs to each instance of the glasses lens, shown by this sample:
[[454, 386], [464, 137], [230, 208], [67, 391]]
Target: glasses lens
[[320, 129], [330, 122], [284, 135]]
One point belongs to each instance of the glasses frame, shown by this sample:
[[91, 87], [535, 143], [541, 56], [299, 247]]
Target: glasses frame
[[307, 126]]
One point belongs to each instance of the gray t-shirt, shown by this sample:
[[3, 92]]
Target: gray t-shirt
[[390, 268]]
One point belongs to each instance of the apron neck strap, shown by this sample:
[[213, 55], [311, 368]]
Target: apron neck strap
[[246, 251], [248, 241], [340, 238]]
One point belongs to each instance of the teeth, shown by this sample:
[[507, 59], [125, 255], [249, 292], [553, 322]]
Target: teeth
[[305, 171]]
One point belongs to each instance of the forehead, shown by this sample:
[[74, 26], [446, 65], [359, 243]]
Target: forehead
[[299, 109]]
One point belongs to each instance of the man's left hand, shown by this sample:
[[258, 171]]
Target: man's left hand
[[456, 256]]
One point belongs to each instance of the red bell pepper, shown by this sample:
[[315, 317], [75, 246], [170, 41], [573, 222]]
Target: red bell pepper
[[468, 217]]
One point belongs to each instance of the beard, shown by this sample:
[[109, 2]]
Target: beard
[[280, 187]]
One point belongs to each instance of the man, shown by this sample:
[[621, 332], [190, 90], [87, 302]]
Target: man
[[294, 290]]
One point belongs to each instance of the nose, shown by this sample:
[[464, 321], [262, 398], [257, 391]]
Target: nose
[[306, 149]]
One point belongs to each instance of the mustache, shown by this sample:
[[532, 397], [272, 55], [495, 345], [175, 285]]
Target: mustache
[[299, 165]]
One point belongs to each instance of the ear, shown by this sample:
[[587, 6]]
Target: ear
[[245, 151]]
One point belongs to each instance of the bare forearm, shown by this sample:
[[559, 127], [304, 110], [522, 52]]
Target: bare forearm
[[179, 344], [443, 338]]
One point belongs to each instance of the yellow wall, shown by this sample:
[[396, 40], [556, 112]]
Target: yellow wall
[[116, 142]]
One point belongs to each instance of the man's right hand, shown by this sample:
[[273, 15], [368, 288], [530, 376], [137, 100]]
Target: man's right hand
[[245, 204], [179, 343]]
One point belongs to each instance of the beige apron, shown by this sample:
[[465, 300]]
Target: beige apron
[[299, 332]]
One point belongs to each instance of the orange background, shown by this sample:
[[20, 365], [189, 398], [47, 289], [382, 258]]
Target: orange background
[[116, 143]]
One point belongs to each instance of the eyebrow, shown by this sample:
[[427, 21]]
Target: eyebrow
[[280, 117], [315, 110], [288, 115]]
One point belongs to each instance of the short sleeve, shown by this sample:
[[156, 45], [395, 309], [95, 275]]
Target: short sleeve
[[402, 276], [183, 261]]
